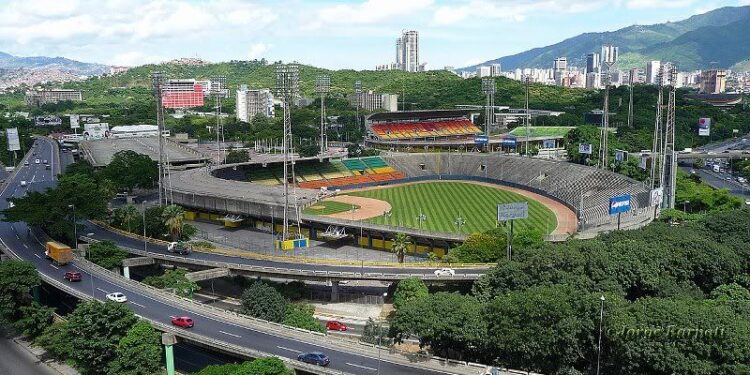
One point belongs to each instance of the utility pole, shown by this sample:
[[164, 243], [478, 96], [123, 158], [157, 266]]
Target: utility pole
[[156, 82], [323, 87]]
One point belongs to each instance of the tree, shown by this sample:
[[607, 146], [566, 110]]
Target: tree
[[129, 169], [449, 323], [138, 352], [731, 292], [375, 333], [17, 278], [236, 156], [128, 215], [408, 290], [400, 246], [264, 302], [260, 366], [542, 329], [301, 316], [307, 151], [106, 254], [174, 218], [173, 279], [94, 331], [54, 339], [34, 319]]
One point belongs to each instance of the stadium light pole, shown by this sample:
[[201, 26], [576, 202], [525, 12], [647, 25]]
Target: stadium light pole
[[488, 88], [609, 58], [599, 347]]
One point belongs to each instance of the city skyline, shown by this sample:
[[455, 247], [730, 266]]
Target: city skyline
[[335, 35]]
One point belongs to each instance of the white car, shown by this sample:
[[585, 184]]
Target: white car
[[445, 272], [37, 161], [117, 297], [23, 183]]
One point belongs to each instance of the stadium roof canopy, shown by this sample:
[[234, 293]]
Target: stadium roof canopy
[[419, 115]]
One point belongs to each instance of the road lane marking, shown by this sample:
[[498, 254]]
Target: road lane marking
[[230, 334], [362, 367], [102, 290], [53, 266], [137, 304], [37, 255], [287, 349], [25, 245]]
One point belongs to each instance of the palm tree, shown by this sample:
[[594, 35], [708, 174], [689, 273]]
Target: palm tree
[[400, 245], [129, 215], [174, 217]]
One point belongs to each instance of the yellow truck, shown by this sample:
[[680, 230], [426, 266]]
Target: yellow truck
[[59, 253]]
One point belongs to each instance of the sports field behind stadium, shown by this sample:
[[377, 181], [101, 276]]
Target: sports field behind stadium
[[444, 204]]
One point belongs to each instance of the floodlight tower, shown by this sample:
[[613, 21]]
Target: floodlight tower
[[157, 79], [527, 116], [669, 161], [488, 88], [609, 58], [287, 88], [219, 91], [630, 101], [323, 87], [656, 148], [358, 98]]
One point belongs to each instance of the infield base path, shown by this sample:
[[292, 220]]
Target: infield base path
[[368, 207]]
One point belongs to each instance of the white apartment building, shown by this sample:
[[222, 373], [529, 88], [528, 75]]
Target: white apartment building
[[652, 72], [372, 101], [44, 96], [253, 102]]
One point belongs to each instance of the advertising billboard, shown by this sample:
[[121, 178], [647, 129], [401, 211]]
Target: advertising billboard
[[657, 195], [704, 126], [14, 143], [585, 148], [74, 122], [509, 142], [548, 143], [96, 131], [619, 204], [481, 139], [512, 211]]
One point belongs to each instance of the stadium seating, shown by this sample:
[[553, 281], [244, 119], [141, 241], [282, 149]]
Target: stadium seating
[[425, 129], [582, 188]]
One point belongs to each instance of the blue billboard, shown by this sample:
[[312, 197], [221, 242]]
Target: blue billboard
[[509, 142], [619, 204], [481, 139]]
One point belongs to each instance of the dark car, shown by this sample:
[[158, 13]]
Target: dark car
[[183, 321], [72, 276], [334, 325], [314, 358]]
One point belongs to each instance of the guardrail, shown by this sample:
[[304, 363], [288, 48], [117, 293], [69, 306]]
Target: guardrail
[[301, 259], [298, 273]]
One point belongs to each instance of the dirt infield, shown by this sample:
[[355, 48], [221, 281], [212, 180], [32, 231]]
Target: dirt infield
[[368, 207], [567, 221]]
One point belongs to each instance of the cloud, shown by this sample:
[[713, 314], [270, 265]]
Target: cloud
[[513, 11], [652, 4], [258, 50], [82, 21], [370, 12], [134, 58]]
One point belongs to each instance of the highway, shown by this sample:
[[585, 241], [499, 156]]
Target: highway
[[147, 304]]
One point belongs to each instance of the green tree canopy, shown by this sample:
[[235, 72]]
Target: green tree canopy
[[16, 280], [264, 302], [94, 331], [408, 290], [138, 352], [173, 279], [300, 315], [106, 254], [129, 169]]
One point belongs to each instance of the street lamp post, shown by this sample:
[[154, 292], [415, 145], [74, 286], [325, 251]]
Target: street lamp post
[[145, 249], [75, 227], [599, 347], [380, 333]]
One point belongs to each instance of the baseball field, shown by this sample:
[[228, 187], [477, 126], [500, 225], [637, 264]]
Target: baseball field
[[460, 207]]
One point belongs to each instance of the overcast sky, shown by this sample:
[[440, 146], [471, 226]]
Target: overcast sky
[[332, 34]]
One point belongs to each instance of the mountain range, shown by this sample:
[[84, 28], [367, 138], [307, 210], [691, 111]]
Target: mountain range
[[10, 62], [717, 38]]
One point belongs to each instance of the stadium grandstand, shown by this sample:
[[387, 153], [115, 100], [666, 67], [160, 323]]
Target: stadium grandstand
[[312, 174], [416, 125]]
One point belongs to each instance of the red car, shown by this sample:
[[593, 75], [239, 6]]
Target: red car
[[72, 276], [182, 321], [333, 325]]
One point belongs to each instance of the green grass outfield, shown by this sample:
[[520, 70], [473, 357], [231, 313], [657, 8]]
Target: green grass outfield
[[328, 207], [542, 131], [444, 202]]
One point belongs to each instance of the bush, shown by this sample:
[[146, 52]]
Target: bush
[[375, 333], [34, 319], [264, 302], [301, 316], [54, 339], [106, 254]]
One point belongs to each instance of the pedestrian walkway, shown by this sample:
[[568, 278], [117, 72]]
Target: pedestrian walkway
[[254, 240]]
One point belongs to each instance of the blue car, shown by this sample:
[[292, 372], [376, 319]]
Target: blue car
[[315, 358]]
